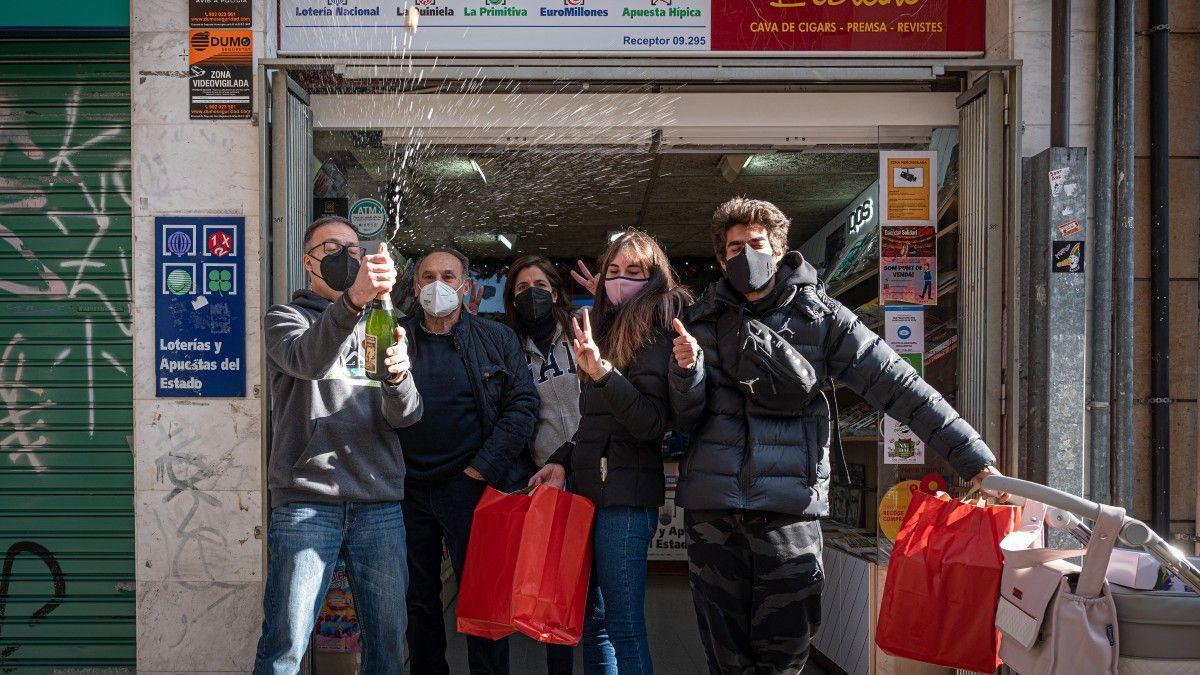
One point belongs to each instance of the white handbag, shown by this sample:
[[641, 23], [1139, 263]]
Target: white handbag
[[1054, 617]]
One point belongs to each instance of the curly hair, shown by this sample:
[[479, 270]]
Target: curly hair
[[743, 211]]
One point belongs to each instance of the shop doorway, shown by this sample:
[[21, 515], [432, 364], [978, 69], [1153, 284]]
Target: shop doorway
[[558, 173]]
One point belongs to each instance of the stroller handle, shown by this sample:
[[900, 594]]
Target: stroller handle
[[1133, 532]]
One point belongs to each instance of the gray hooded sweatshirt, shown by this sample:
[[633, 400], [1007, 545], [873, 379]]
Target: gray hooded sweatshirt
[[333, 437], [557, 382]]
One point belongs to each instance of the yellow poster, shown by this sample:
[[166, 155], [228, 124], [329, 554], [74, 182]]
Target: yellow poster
[[894, 505], [908, 188]]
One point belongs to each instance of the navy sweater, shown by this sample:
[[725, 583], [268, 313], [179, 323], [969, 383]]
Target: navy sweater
[[445, 440]]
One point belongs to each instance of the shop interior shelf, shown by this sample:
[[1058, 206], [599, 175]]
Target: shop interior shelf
[[855, 281], [861, 439], [948, 230], [951, 204]]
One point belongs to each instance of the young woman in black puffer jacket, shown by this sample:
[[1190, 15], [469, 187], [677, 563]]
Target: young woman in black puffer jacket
[[615, 458]]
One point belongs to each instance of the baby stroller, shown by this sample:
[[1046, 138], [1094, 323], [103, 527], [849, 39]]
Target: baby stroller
[[1159, 630]]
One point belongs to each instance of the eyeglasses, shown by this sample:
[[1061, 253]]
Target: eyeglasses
[[334, 248]]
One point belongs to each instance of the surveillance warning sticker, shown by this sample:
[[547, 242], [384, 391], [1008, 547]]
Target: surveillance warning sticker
[[909, 187], [221, 73]]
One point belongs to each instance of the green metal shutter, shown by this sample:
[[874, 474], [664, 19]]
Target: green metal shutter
[[66, 423]]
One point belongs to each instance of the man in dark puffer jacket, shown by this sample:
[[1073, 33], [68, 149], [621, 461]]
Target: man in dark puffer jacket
[[756, 477]]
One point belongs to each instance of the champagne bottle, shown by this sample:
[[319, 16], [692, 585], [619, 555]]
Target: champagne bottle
[[380, 336]]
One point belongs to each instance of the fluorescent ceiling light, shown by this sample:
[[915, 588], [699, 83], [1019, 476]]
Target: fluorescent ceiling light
[[504, 240], [479, 170], [615, 235], [731, 165]]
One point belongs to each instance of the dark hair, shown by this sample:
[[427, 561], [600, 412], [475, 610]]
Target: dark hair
[[562, 306], [742, 211], [322, 222], [458, 255], [651, 310]]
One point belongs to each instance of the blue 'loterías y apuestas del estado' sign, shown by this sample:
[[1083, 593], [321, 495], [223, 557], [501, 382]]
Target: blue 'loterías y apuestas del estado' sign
[[200, 307]]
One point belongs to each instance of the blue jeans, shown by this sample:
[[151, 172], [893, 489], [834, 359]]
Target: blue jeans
[[303, 542], [435, 511], [614, 629]]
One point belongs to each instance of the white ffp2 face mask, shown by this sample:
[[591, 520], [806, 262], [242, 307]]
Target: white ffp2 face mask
[[440, 299]]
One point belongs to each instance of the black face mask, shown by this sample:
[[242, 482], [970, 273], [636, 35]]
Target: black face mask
[[338, 270], [750, 271], [533, 305]]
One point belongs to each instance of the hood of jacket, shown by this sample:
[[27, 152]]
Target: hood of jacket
[[309, 300]]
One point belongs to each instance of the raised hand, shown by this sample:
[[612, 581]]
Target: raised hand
[[587, 352], [397, 358], [475, 298], [686, 349], [376, 276], [585, 277]]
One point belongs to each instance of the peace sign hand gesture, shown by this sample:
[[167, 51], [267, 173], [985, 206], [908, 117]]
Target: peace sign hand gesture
[[587, 352], [585, 278], [475, 298]]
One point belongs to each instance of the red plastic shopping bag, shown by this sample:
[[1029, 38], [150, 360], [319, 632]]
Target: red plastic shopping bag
[[943, 583], [527, 566]]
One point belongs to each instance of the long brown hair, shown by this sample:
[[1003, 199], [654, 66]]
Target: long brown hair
[[562, 305], [651, 310]]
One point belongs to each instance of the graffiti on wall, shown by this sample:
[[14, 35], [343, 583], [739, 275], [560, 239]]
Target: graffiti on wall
[[71, 278], [58, 584], [66, 282], [190, 476]]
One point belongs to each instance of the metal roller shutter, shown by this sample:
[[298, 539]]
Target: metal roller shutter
[[66, 471]]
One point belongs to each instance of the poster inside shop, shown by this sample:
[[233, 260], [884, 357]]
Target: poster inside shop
[[220, 73], [670, 542], [925, 27], [219, 14], [904, 331], [337, 623], [909, 191], [900, 444], [908, 264], [893, 505], [200, 307]]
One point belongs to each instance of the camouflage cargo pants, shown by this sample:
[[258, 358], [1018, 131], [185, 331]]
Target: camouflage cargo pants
[[756, 582]]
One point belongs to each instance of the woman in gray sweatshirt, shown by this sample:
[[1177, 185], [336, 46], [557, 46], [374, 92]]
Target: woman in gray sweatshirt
[[536, 306]]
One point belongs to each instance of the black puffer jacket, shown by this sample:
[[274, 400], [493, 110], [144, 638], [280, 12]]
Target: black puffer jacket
[[744, 457], [622, 422]]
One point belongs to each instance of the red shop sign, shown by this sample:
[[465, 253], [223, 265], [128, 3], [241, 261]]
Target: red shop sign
[[848, 25]]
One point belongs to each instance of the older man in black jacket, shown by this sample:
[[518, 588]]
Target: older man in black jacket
[[756, 477], [481, 408]]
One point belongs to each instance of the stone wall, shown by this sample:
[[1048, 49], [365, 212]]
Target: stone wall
[[197, 471], [1020, 29]]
